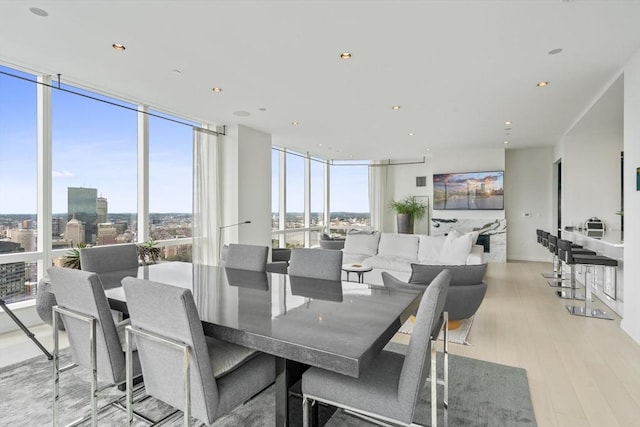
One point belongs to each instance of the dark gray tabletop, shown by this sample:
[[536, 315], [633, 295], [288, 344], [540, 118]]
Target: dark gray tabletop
[[339, 326]]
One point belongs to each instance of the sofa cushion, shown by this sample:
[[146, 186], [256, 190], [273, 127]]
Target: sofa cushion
[[389, 263], [398, 245], [348, 258], [461, 275], [456, 248], [366, 244], [429, 249]]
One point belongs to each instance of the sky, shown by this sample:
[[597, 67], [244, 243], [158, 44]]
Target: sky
[[95, 146]]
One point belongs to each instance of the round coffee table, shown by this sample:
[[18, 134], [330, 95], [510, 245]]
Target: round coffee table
[[359, 269]]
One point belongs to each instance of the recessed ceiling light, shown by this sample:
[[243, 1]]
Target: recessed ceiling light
[[295, 123], [555, 51], [118, 46], [428, 149], [507, 128], [542, 84], [345, 55], [217, 89], [241, 113], [411, 133], [176, 72], [395, 107], [262, 109], [506, 142], [320, 145], [38, 11], [507, 123]]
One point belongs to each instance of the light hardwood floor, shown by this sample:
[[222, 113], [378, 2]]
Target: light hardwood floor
[[582, 372]]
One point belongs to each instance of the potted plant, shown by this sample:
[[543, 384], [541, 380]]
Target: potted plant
[[72, 258], [407, 210], [148, 252]]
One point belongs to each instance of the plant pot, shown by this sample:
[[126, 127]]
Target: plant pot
[[405, 223], [45, 300]]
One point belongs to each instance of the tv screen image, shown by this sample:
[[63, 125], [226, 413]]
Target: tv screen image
[[469, 190]]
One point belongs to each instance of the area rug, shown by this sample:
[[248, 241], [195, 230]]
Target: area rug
[[481, 394], [457, 336]]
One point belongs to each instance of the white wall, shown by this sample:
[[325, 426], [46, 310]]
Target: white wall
[[631, 321], [591, 162], [528, 191], [401, 181], [246, 185]]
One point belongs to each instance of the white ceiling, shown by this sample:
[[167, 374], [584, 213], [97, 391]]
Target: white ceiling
[[458, 69]]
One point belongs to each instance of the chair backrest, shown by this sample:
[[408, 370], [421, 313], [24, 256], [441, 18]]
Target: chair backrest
[[82, 292], [247, 257], [416, 367], [171, 312], [553, 244], [565, 252], [316, 263], [101, 259]]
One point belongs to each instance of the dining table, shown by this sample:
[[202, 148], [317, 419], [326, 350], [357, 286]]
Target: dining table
[[303, 322]]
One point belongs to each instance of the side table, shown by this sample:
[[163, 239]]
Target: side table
[[359, 269]]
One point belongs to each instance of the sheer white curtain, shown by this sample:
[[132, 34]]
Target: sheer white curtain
[[206, 197], [377, 195]]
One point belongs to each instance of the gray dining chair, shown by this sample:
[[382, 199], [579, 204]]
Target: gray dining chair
[[203, 377], [100, 259], [316, 263], [387, 391], [247, 257], [96, 341]]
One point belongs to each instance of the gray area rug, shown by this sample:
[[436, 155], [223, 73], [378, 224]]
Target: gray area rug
[[480, 394]]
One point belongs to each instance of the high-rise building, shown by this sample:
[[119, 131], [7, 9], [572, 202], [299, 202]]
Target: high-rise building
[[74, 233], [58, 225], [102, 209], [25, 238], [106, 234], [12, 275], [82, 204]]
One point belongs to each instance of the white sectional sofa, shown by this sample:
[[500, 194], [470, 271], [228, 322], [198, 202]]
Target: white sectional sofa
[[394, 253]]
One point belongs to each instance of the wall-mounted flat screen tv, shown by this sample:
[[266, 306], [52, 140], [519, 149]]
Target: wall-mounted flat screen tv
[[469, 190]]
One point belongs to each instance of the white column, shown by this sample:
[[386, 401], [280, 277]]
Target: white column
[[307, 200], [143, 174], [327, 196], [282, 214], [44, 145]]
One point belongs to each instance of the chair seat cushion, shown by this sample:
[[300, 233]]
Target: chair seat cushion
[[595, 260], [375, 391], [226, 357]]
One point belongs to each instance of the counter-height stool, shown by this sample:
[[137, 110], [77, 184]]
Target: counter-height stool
[[543, 239], [587, 261], [560, 281]]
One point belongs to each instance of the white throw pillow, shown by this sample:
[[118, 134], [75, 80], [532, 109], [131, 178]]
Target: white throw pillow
[[456, 248], [366, 244]]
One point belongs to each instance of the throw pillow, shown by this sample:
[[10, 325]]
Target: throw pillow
[[461, 275], [456, 248], [325, 236]]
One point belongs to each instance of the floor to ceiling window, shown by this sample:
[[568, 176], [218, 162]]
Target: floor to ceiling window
[[305, 221], [170, 174], [349, 195], [93, 177], [18, 183], [94, 159]]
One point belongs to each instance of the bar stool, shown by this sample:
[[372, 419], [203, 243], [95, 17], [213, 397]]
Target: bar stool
[[559, 281], [588, 261], [544, 241]]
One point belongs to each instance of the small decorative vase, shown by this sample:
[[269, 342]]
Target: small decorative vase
[[45, 300], [405, 223]]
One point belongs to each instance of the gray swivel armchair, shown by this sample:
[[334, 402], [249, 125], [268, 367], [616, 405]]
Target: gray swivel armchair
[[97, 343], [466, 291], [201, 376], [387, 390], [316, 263]]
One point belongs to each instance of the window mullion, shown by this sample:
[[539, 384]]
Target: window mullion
[[143, 174], [44, 173]]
